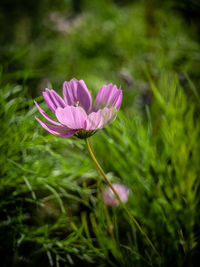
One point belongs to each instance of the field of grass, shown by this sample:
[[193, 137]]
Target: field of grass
[[51, 207]]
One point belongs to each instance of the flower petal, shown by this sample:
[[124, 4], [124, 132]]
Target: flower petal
[[61, 131], [109, 197], [108, 114], [94, 121], [97, 120], [53, 100], [108, 96], [76, 93], [45, 115], [72, 117]]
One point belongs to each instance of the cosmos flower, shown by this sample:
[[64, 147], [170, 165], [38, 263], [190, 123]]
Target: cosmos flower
[[109, 197], [75, 114]]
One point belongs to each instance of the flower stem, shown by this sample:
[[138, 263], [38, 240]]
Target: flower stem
[[118, 197], [99, 190]]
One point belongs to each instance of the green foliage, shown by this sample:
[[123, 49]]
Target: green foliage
[[105, 42], [158, 159], [49, 203], [51, 207]]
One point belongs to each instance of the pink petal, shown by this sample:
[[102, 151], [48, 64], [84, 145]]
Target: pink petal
[[53, 100], [76, 93], [45, 115], [72, 117], [108, 96], [108, 115], [94, 121], [109, 197], [97, 120], [61, 131]]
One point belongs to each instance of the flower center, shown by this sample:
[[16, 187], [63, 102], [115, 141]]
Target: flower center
[[82, 133]]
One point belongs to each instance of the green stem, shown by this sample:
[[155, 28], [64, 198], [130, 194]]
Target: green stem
[[99, 189], [118, 197]]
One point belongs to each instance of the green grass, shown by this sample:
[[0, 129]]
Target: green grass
[[51, 208]]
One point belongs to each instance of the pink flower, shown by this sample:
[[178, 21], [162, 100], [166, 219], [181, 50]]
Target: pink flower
[[109, 197], [75, 114]]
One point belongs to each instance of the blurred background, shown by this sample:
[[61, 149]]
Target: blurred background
[[98, 41], [51, 213]]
